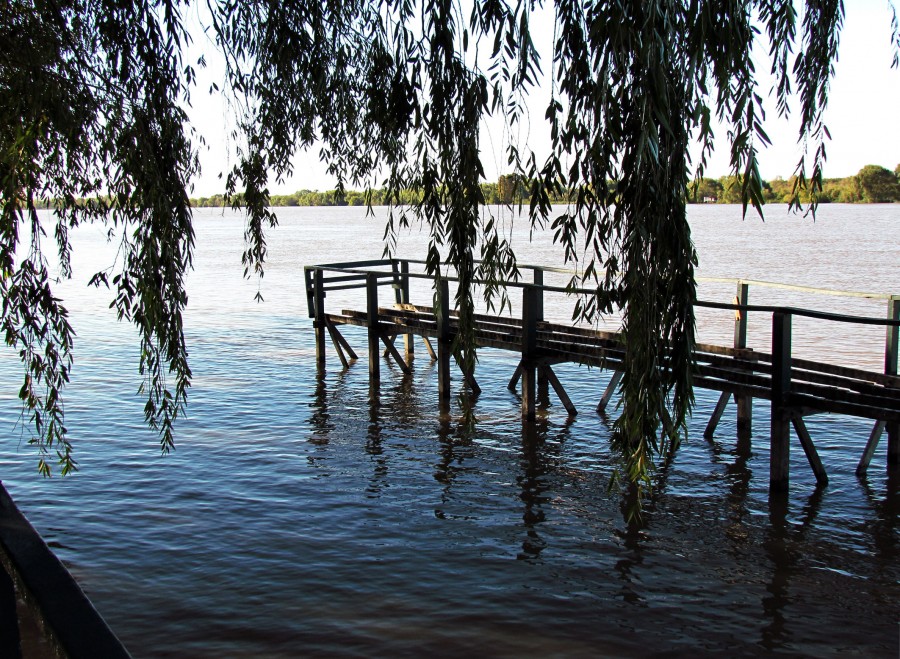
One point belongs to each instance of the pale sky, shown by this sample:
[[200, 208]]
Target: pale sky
[[862, 115]]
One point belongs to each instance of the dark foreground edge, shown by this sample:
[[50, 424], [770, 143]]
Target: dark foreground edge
[[73, 626]]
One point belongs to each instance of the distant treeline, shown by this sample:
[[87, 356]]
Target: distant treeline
[[872, 184]]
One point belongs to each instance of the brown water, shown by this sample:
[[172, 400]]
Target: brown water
[[298, 519]]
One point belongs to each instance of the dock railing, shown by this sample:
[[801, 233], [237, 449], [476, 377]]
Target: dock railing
[[795, 387]]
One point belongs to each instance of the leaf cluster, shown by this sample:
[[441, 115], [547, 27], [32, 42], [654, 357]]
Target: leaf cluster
[[91, 115]]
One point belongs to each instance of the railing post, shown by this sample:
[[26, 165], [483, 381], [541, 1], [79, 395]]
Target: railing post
[[779, 461], [543, 384], [891, 352], [319, 310], [539, 298], [442, 312], [408, 342], [744, 403], [374, 337], [529, 343]]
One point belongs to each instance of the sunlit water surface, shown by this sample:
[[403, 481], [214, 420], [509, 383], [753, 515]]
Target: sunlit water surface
[[296, 518]]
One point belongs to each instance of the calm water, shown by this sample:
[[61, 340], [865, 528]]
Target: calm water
[[298, 519]]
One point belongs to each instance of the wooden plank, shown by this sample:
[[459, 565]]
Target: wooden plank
[[780, 444], [610, 390], [891, 365], [809, 448], [469, 378], [309, 283], [852, 384], [514, 380], [888, 402], [528, 346], [716, 415], [373, 333], [319, 307], [392, 350], [843, 407], [871, 446], [558, 388], [332, 331], [715, 384], [732, 376], [340, 337], [854, 373], [442, 315], [740, 317]]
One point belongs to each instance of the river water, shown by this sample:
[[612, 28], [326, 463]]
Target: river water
[[296, 518]]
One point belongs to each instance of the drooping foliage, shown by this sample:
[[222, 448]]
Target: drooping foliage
[[396, 93], [91, 100], [634, 84]]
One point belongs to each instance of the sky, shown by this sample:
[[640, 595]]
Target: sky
[[862, 115]]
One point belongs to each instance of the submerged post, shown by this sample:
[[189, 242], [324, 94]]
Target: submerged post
[[530, 302], [779, 461], [442, 313], [891, 351], [372, 320], [744, 403], [543, 384], [319, 310], [408, 342]]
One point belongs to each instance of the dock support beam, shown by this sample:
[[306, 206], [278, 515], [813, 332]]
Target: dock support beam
[[891, 350], [401, 293], [610, 390], [444, 341], [374, 332], [319, 310], [744, 403], [891, 353], [543, 388], [779, 460], [530, 302]]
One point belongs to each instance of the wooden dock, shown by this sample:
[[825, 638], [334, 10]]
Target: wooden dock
[[795, 388]]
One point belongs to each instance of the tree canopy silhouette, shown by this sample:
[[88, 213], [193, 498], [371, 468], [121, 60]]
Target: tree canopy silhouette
[[92, 95]]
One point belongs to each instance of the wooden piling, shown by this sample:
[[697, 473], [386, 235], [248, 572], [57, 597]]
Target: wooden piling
[[744, 403], [891, 353], [444, 341], [401, 292], [779, 460], [373, 331], [812, 456], [530, 302], [543, 384], [319, 310]]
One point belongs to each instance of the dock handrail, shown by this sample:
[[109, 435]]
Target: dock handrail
[[357, 271], [793, 386]]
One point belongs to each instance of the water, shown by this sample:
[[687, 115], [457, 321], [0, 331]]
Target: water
[[297, 519]]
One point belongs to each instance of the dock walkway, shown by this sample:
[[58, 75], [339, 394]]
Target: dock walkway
[[796, 388]]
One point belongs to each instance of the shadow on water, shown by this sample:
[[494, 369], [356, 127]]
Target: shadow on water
[[883, 525], [540, 457], [739, 476], [783, 545]]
